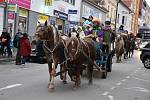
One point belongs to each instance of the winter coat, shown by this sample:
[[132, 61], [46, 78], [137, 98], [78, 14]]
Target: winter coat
[[107, 35], [5, 38], [25, 47]]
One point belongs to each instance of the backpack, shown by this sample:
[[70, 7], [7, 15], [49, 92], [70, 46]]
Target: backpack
[[15, 41]]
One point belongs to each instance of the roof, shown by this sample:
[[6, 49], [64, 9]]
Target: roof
[[91, 2], [125, 5]]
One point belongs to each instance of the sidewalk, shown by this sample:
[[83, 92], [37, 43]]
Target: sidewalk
[[7, 59]]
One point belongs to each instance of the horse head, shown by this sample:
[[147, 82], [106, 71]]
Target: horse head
[[72, 48], [44, 32]]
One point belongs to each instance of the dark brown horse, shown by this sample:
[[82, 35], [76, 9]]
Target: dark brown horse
[[80, 52], [54, 50]]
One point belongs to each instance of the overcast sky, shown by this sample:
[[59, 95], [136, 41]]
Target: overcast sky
[[148, 1]]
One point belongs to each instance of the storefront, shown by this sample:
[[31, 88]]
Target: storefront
[[61, 21], [34, 19], [12, 9], [1, 18], [23, 19]]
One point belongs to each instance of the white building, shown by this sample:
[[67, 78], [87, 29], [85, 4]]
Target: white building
[[124, 17], [91, 8], [60, 12]]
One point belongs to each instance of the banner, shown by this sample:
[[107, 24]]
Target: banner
[[48, 2]]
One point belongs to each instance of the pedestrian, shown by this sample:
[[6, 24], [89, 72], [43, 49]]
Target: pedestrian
[[5, 43], [16, 43], [25, 48]]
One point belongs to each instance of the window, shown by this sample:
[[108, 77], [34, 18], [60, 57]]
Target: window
[[123, 19], [70, 1]]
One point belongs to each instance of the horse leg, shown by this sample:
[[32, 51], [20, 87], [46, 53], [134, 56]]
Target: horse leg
[[90, 73], [53, 73], [63, 75], [49, 69], [117, 61]]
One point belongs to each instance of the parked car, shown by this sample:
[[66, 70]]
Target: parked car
[[145, 56], [37, 54]]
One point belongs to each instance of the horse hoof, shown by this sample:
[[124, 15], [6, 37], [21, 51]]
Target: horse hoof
[[51, 89], [64, 82]]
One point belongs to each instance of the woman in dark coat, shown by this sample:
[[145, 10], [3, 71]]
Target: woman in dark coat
[[25, 48]]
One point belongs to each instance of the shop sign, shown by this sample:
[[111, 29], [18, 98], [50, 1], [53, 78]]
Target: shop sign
[[61, 15], [2, 1], [22, 3], [23, 12], [12, 7], [11, 15], [48, 2], [42, 18], [72, 11]]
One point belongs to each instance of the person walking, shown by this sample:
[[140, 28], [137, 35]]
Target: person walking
[[16, 43], [5, 42], [25, 48]]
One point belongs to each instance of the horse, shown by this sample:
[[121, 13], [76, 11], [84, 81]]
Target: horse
[[81, 54], [54, 51], [119, 47]]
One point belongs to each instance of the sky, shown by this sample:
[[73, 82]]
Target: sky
[[148, 1]]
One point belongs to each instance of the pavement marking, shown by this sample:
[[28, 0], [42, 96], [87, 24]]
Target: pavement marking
[[139, 68], [112, 88], [111, 97], [141, 79], [123, 80], [10, 86], [105, 93], [128, 77], [119, 83], [146, 74], [139, 89]]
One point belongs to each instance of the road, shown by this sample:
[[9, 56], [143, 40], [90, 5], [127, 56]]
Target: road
[[127, 81]]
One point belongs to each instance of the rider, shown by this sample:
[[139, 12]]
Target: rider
[[107, 34], [97, 31]]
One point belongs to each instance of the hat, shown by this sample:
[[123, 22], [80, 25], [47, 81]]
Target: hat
[[107, 22], [96, 20]]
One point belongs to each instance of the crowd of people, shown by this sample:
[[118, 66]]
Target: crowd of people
[[20, 42], [101, 33]]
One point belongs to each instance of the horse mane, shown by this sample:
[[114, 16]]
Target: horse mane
[[71, 39]]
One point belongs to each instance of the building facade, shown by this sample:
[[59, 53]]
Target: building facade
[[124, 16], [89, 7], [2, 18]]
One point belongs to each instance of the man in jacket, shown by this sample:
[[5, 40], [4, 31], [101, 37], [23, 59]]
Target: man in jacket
[[5, 42]]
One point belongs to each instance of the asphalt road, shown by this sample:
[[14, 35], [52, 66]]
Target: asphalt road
[[128, 80]]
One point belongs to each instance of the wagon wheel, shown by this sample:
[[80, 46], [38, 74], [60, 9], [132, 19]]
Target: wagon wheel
[[104, 71]]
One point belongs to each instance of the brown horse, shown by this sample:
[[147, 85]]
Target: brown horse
[[54, 50], [119, 47], [80, 52]]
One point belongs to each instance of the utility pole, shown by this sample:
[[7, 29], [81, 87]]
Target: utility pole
[[118, 1]]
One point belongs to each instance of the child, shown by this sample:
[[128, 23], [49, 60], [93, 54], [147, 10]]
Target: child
[[25, 48]]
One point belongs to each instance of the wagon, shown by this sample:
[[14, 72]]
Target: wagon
[[103, 60]]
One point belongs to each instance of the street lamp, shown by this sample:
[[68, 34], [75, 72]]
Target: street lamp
[[118, 1]]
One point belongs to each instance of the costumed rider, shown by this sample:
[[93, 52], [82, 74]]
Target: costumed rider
[[97, 36], [97, 31], [107, 35]]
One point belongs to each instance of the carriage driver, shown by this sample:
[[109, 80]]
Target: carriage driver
[[107, 34]]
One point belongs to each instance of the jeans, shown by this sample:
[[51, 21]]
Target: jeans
[[23, 59]]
